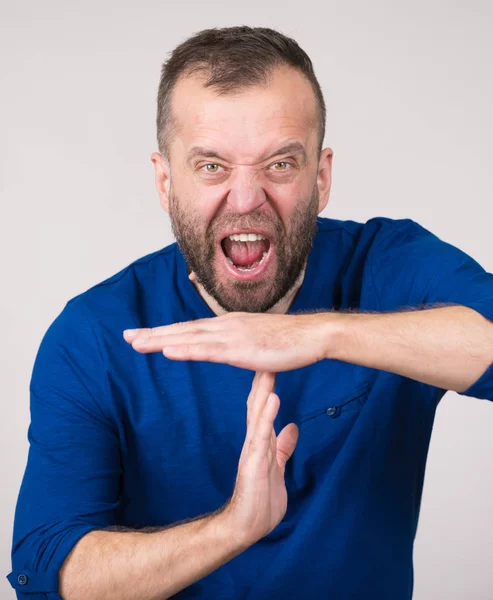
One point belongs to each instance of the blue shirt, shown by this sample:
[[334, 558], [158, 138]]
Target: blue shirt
[[120, 437]]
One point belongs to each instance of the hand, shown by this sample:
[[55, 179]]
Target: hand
[[259, 499], [256, 341]]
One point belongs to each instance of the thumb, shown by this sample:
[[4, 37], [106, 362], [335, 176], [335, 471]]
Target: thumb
[[286, 443]]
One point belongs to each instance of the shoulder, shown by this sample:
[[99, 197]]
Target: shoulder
[[128, 288], [374, 233]]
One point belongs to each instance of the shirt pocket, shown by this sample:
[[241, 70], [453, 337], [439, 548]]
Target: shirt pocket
[[323, 431]]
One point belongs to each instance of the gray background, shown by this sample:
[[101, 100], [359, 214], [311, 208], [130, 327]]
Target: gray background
[[409, 93]]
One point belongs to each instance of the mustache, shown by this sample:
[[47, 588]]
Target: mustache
[[226, 224]]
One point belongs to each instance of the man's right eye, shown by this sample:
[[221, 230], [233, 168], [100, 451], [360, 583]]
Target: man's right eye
[[211, 168]]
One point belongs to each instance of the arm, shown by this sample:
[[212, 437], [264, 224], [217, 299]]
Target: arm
[[449, 347], [135, 565], [140, 565], [65, 540]]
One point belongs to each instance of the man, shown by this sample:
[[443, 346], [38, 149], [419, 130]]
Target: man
[[143, 479]]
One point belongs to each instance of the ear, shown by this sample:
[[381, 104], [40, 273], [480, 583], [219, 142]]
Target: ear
[[324, 178], [162, 178]]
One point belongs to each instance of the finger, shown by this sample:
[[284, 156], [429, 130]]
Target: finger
[[253, 391], [264, 387], [131, 334], [180, 327], [156, 343], [261, 439], [286, 443], [251, 396], [211, 352], [250, 402]]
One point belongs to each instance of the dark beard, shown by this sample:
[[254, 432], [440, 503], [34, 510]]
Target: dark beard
[[292, 249]]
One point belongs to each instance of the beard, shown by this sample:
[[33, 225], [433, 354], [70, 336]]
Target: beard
[[199, 247]]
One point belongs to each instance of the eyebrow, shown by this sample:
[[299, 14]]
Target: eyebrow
[[290, 148]]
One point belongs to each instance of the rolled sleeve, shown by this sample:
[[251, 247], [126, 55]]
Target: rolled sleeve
[[71, 481]]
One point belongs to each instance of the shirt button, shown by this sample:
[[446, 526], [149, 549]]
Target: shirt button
[[22, 579], [331, 411]]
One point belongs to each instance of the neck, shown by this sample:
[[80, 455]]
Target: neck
[[280, 308]]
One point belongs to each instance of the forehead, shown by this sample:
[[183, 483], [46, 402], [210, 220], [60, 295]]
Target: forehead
[[245, 123]]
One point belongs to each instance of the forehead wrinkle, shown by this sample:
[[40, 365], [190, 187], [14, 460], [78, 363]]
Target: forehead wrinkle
[[291, 147]]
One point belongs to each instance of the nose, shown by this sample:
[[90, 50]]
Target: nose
[[246, 193]]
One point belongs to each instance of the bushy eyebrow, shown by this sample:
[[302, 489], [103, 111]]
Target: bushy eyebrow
[[295, 148]]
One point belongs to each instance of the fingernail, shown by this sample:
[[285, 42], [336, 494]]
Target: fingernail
[[129, 334]]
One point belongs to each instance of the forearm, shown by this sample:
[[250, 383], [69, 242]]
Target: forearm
[[449, 347], [131, 565]]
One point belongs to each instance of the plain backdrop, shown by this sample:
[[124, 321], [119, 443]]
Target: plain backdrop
[[409, 95]]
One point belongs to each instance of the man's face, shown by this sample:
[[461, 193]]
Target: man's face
[[245, 164]]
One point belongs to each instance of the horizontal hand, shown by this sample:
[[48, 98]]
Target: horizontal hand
[[256, 341]]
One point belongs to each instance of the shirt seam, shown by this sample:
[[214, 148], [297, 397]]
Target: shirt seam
[[372, 277], [98, 346], [337, 228]]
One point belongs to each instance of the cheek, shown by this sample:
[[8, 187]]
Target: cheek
[[199, 200], [287, 199]]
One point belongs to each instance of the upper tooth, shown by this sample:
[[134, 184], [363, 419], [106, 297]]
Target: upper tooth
[[246, 237]]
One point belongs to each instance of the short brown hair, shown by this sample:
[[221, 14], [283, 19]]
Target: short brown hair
[[233, 58]]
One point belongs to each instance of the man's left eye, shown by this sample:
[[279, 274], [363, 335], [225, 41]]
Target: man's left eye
[[281, 166]]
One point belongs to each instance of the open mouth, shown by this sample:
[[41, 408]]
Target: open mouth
[[246, 254]]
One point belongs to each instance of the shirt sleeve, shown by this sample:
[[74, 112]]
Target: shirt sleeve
[[71, 481], [412, 267]]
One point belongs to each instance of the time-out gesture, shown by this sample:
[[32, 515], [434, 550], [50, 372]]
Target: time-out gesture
[[259, 500], [256, 341]]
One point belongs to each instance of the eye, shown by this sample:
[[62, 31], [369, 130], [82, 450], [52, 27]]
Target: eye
[[212, 168], [281, 166]]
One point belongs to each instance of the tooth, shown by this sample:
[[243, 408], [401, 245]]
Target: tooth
[[246, 237], [229, 260], [264, 254]]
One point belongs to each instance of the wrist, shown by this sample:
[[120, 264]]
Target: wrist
[[331, 327], [229, 533]]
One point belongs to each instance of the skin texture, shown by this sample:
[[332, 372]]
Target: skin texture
[[241, 183]]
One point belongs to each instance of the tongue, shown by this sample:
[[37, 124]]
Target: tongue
[[245, 254]]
